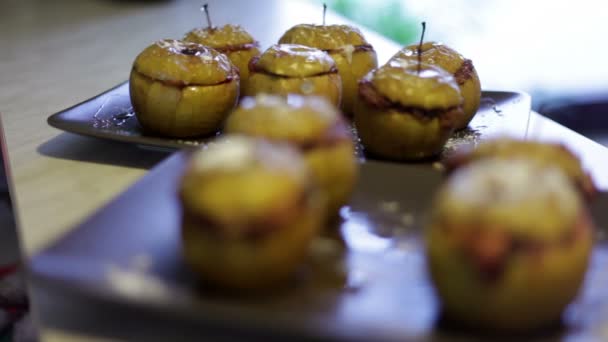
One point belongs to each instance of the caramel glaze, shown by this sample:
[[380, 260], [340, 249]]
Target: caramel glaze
[[465, 72], [238, 47], [253, 67], [490, 253], [253, 230], [369, 94], [357, 48], [181, 84]]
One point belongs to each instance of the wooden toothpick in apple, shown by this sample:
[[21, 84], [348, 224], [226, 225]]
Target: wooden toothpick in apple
[[420, 45]]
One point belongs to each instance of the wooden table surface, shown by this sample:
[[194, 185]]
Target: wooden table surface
[[56, 54]]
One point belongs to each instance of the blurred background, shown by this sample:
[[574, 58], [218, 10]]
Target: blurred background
[[552, 49]]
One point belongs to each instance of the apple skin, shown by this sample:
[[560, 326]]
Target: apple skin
[[507, 277], [353, 55], [241, 60], [394, 135], [250, 212], [251, 265], [182, 96], [231, 40], [328, 86], [471, 92], [441, 55], [351, 72], [530, 295], [181, 113], [337, 171]]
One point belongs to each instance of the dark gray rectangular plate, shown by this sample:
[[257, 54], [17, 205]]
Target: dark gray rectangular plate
[[126, 259], [110, 116]]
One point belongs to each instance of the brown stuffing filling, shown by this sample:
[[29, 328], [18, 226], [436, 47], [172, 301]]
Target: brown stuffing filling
[[181, 84], [372, 98], [252, 229], [490, 251], [253, 67], [239, 47], [465, 71]]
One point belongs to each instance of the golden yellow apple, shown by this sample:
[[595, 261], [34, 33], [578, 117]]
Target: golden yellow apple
[[353, 55], [250, 212], [294, 69], [231, 40], [404, 114], [315, 127], [508, 245], [453, 62], [181, 89]]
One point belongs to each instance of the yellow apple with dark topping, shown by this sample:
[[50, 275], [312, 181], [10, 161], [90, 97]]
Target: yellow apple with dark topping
[[231, 40], [353, 55], [407, 111], [508, 245], [453, 62], [250, 212], [294, 69], [181, 89], [315, 127], [543, 153]]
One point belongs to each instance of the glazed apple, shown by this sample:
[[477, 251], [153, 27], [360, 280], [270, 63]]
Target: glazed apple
[[294, 69], [353, 55], [545, 154], [508, 245], [453, 62], [407, 111], [250, 211], [180, 89], [313, 125], [231, 40]]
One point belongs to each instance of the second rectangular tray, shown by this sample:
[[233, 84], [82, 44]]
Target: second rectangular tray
[[127, 258]]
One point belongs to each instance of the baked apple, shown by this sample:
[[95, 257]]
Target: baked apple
[[545, 154], [250, 211], [182, 90], [453, 62], [508, 245], [313, 125], [294, 69], [407, 111], [231, 40], [353, 55]]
